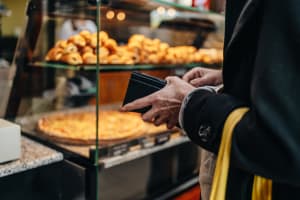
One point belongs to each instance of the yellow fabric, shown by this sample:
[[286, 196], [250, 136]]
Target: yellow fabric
[[262, 188]]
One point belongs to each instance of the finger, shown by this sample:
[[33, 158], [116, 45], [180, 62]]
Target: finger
[[200, 81], [190, 75], [137, 104], [150, 115], [172, 123], [171, 79], [160, 120]]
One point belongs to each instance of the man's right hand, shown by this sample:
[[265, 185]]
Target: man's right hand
[[200, 76]]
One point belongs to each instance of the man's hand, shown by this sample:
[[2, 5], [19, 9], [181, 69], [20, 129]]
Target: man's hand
[[165, 103], [199, 76]]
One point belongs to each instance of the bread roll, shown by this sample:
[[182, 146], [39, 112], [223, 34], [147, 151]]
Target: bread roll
[[61, 44], [136, 38], [89, 58], [78, 40], [70, 48], [85, 34], [136, 47], [103, 36], [86, 49], [111, 45], [103, 51], [114, 59], [153, 59], [72, 58], [54, 54]]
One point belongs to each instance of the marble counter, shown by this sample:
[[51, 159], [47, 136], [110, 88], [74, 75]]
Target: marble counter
[[33, 155]]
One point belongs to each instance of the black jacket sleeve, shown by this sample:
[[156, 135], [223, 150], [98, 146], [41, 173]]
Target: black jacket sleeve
[[203, 116], [266, 141]]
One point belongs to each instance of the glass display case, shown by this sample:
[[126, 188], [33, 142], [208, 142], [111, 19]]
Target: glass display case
[[72, 68]]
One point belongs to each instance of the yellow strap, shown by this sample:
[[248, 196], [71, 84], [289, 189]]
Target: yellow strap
[[262, 188]]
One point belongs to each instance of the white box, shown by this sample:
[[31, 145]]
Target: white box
[[10, 141], [6, 81]]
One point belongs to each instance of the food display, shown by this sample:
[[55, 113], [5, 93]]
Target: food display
[[79, 127], [81, 49]]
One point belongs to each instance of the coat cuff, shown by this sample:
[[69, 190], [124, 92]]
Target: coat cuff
[[202, 116]]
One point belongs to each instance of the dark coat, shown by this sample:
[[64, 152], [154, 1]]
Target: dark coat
[[262, 71]]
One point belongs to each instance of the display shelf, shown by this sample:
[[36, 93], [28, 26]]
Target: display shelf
[[111, 154], [117, 160], [112, 68], [183, 7], [66, 7]]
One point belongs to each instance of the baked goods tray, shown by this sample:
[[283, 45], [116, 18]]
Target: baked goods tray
[[105, 150]]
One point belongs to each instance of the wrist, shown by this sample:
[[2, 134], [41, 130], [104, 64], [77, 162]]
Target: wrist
[[186, 91]]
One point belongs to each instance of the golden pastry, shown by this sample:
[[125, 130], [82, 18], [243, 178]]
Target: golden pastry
[[86, 49], [136, 47], [111, 45], [78, 40], [70, 48], [136, 58], [114, 59], [103, 36], [89, 58], [85, 34], [163, 46], [153, 59], [103, 60], [72, 58], [103, 51], [128, 61], [61, 44], [54, 54], [136, 38], [92, 41]]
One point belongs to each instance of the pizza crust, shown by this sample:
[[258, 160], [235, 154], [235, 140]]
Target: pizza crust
[[79, 128]]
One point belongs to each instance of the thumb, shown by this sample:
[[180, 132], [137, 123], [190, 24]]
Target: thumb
[[171, 79]]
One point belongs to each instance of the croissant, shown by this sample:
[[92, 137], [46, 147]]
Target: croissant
[[114, 59], [70, 48], [111, 45], [92, 41], [85, 34], [103, 51], [87, 49], [136, 38], [61, 44], [72, 58], [54, 54], [78, 40], [89, 58], [103, 36]]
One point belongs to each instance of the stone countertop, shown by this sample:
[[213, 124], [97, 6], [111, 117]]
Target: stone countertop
[[33, 155]]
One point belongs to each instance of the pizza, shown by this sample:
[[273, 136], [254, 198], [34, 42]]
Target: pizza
[[80, 127]]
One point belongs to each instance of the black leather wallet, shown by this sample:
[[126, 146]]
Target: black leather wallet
[[141, 85]]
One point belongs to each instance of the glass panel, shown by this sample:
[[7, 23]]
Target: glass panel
[[61, 72]]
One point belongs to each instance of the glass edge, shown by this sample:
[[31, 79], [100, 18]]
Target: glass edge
[[108, 68]]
